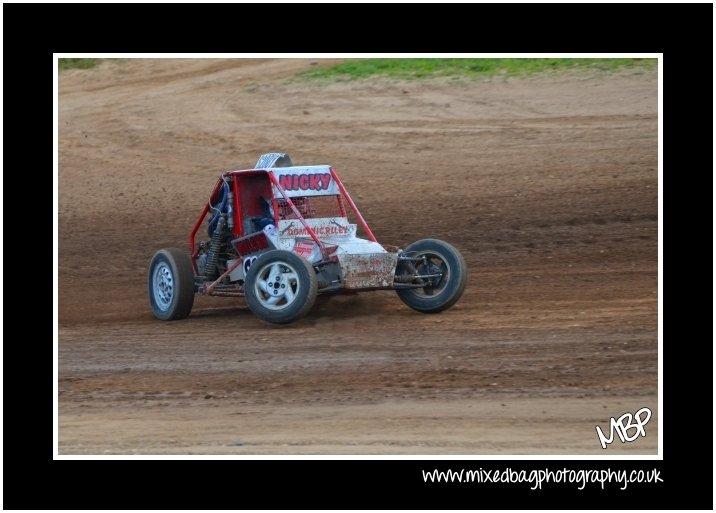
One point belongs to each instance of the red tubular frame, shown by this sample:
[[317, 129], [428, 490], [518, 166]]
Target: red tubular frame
[[355, 210], [274, 181], [238, 227]]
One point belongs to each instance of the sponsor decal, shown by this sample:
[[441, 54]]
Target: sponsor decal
[[308, 182], [304, 248], [322, 227], [321, 231]]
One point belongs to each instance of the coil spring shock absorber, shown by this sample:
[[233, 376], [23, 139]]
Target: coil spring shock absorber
[[214, 245]]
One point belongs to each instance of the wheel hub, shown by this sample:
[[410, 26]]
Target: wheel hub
[[275, 286], [163, 286]]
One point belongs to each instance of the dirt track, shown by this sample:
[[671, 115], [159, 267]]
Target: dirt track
[[547, 185]]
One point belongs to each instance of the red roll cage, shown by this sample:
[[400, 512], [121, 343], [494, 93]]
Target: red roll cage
[[232, 178]]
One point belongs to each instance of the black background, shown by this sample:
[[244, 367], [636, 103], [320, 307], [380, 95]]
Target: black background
[[31, 33]]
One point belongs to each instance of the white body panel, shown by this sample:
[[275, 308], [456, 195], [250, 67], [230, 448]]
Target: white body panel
[[364, 264]]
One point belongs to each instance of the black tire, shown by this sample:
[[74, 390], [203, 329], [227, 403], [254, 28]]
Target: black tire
[[448, 290], [171, 284], [280, 287]]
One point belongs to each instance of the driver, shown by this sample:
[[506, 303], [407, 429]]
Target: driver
[[302, 204], [268, 218]]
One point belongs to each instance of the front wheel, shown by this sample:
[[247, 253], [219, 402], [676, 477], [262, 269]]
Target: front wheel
[[280, 287], [447, 273], [171, 284]]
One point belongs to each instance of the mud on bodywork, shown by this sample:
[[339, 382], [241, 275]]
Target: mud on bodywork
[[363, 263], [370, 270]]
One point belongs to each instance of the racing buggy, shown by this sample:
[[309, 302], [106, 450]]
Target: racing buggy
[[280, 234]]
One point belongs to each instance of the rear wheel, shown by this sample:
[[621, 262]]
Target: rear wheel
[[280, 287], [448, 272], [171, 284]]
